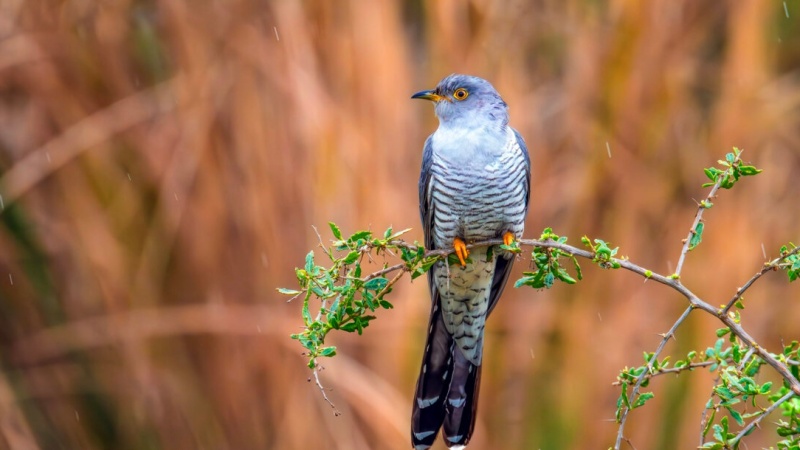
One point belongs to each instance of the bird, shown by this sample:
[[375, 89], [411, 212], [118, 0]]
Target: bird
[[474, 185]]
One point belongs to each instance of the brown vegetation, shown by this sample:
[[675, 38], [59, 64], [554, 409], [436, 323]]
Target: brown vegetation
[[163, 163]]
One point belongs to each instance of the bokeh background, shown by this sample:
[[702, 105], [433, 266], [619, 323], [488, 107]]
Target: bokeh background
[[163, 163]]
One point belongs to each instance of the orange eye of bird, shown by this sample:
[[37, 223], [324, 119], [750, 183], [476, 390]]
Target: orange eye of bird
[[460, 94]]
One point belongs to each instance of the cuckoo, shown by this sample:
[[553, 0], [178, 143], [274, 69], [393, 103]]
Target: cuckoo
[[474, 186]]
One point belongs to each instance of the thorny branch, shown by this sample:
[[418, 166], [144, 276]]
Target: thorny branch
[[772, 265], [673, 282]]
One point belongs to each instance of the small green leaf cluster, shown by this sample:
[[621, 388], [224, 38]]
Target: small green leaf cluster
[[416, 262], [735, 390], [789, 424], [513, 247], [791, 261], [732, 169], [629, 377], [346, 298], [791, 356], [547, 261], [604, 255], [722, 434]]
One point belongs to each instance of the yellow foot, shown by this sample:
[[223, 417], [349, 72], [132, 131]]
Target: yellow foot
[[508, 238], [461, 251]]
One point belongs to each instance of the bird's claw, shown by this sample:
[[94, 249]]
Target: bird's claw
[[508, 238], [460, 248]]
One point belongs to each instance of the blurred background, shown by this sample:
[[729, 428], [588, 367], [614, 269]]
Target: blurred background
[[163, 163]]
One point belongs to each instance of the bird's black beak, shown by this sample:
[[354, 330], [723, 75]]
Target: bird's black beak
[[429, 95]]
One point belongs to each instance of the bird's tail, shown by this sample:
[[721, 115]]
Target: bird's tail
[[447, 390]]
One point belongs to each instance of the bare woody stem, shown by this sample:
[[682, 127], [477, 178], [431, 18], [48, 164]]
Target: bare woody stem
[[767, 267]]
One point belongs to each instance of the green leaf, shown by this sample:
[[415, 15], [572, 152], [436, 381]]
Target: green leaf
[[549, 279], [724, 393], [564, 276], [376, 284], [351, 257], [736, 416], [624, 397], [306, 313], [784, 432], [310, 262], [712, 173], [710, 419], [333, 322], [723, 331], [452, 260], [349, 327], [328, 351], [337, 233], [385, 305], [643, 398], [365, 235], [424, 267], [697, 236], [285, 291], [749, 170], [578, 273]]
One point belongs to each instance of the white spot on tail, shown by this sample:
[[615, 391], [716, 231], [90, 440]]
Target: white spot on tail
[[425, 402], [457, 402]]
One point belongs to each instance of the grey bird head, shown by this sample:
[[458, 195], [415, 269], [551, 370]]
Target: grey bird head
[[464, 100]]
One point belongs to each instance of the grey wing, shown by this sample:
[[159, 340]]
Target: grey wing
[[426, 207], [503, 268], [524, 149], [429, 410]]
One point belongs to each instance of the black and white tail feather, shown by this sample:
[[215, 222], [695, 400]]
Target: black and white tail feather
[[448, 384]]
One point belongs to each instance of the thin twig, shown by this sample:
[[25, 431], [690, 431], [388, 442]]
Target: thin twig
[[336, 411], [389, 285], [385, 270], [640, 380], [767, 267], [697, 218], [675, 370], [704, 414]]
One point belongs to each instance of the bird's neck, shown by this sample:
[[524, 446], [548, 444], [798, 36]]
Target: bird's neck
[[469, 144]]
